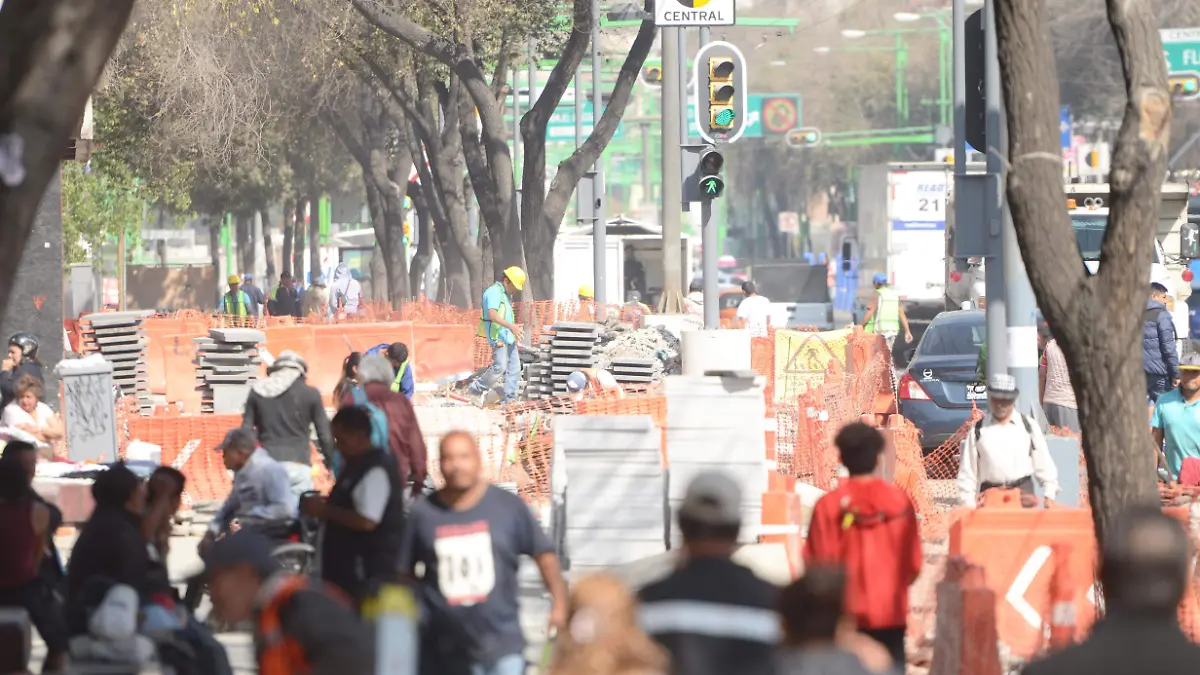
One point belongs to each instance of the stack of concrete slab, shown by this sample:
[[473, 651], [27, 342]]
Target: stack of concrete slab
[[120, 339], [572, 348], [608, 485], [717, 423], [538, 383], [227, 361], [635, 371]]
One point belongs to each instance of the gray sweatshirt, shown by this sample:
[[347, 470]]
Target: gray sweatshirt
[[823, 661]]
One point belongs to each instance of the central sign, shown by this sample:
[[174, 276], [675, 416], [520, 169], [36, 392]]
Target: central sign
[[694, 13]]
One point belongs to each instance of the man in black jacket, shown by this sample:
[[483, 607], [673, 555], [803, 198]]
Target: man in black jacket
[[713, 615], [22, 360], [284, 409], [364, 515], [1144, 569]]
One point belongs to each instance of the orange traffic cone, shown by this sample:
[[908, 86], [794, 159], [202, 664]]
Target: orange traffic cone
[[1062, 599]]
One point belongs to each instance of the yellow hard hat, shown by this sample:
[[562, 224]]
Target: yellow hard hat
[[233, 279], [517, 276], [585, 291]]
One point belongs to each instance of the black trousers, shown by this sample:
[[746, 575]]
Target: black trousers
[[1025, 484], [893, 640]]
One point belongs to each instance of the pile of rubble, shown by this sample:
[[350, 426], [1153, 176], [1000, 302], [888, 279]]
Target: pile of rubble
[[654, 347]]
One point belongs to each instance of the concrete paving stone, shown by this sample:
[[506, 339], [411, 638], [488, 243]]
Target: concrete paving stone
[[238, 335]]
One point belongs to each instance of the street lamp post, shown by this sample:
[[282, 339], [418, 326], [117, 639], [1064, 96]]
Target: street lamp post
[[901, 50]]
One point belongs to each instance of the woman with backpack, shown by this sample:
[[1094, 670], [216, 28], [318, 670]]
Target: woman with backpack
[[349, 376]]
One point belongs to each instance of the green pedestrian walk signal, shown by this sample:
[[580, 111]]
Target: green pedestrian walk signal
[[711, 185]]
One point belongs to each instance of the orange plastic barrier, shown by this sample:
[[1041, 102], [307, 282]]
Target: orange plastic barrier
[[1015, 547], [966, 623], [442, 351]]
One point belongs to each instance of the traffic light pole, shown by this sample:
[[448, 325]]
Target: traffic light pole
[[1017, 308], [709, 242], [997, 326], [672, 173], [600, 225]]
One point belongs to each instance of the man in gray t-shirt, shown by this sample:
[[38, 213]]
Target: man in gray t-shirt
[[470, 536]]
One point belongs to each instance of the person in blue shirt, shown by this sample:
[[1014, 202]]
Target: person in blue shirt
[[1176, 419], [397, 355], [497, 325]]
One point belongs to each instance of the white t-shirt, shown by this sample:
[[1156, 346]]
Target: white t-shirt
[[756, 312], [371, 495], [15, 415]]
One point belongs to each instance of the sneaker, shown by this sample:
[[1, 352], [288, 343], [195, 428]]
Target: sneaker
[[480, 399]]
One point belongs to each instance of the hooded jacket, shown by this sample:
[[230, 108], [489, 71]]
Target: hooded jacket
[[868, 527], [283, 409], [405, 441], [1159, 356], [344, 290]]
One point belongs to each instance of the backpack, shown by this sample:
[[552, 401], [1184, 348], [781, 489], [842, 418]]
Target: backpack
[[379, 422]]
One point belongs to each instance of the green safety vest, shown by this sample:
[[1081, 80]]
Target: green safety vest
[[399, 375], [490, 329], [238, 306], [887, 317]]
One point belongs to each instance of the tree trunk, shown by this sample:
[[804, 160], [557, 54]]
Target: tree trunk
[[424, 229], [314, 236], [289, 231], [542, 212], [51, 55], [298, 250], [268, 249], [1097, 319]]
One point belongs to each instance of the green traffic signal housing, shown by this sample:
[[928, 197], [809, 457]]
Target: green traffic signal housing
[[711, 184]]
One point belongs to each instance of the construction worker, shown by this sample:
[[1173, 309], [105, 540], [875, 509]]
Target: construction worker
[[587, 303], [886, 316], [593, 383], [634, 309], [235, 302], [397, 355], [498, 326]]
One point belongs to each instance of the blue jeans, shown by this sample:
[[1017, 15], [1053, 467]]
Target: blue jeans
[[506, 363], [513, 664]]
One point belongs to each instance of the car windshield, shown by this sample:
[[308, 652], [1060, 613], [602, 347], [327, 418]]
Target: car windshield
[[1089, 235], [957, 338]]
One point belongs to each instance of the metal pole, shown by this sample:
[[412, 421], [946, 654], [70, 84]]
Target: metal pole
[[997, 328], [958, 56], [121, 268], [710, 242], [672, 188], [533, 64], [708, 237], [600, 227], [684, 125], [578, 132]]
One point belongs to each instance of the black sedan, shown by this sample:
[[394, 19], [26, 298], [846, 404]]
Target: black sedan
[[939, 388]]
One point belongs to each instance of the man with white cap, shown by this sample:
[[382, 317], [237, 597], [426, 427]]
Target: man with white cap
[[711, 614], [1005, 449], [284, 410]]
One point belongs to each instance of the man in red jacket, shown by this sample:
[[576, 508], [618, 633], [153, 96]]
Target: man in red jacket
[[868, 526], [404, 433]]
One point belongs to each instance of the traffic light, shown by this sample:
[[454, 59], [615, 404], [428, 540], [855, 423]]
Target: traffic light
[[652, 74], [724, 118], [806, 137], [407, 236], [711, 184], [1184, 85]]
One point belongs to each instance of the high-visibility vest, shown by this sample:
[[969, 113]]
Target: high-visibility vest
[[491, 329], [399, 376], [236, 306], [887, 317], [281, 654]]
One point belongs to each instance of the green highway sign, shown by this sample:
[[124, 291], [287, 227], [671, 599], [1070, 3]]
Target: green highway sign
[[779, 109], [1181, 49], [562, 123]]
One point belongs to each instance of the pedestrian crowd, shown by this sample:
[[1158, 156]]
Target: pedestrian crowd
[[342, 296]]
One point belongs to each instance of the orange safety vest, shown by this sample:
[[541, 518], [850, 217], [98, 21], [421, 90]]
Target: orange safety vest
[[281, 654]]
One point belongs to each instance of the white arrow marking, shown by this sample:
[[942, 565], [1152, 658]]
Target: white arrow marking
[[1016, 592]]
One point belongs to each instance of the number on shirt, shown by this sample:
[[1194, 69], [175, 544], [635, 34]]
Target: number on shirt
[[466, 566]]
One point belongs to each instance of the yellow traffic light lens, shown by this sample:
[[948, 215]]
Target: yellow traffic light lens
[[720, 93], [722, 118], [720, 68]]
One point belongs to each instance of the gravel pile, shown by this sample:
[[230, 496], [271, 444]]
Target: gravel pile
[[648, 343]]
